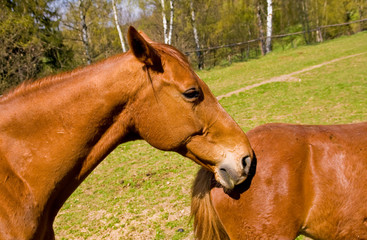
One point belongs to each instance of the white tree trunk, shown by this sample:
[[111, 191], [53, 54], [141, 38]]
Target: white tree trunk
[[169, 40], [193, 21], [164, 23], [199, 54], [269, 25], [85, 39], [167, 30], [118, 26], [318, 31]]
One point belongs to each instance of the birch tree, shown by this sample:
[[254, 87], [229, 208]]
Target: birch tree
[[259, 10], [318, 31], [196, 37], [269, 25], [118, 26], [83, 7], [167, 30], [193, 22]]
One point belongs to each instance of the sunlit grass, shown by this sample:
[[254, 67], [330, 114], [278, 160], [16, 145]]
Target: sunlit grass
[[327, 95], [223, 80]]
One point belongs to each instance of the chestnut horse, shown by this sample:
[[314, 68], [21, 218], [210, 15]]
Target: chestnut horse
[[55, 131], [309, 180]]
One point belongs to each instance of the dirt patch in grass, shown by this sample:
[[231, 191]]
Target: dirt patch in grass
[[288, 77]]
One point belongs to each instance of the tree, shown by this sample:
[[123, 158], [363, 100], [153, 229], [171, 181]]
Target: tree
[[31, 43], [304, 19], [20, 52], [118, 26], [196, 37], [83, 6], [167, 30], [269, 25], [259, 11], [75, 20], [362, 9], [86, 25]]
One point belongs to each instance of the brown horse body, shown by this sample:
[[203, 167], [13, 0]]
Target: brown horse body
[[309, 180], [55, 131]]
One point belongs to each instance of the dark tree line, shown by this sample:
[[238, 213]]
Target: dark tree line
[[31, 42]]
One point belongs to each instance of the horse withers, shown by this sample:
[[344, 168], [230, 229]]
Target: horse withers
[[309, 180], [55, 131]]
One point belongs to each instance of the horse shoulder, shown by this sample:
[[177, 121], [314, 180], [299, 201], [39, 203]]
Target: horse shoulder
[[18, 218]]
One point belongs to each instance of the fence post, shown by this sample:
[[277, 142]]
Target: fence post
[[248, 51], [200, 57], [319, 35]]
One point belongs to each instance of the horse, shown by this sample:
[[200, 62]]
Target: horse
[[304, 179], [56, 130]]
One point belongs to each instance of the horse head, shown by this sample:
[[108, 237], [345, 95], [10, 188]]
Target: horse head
[[176, 111]]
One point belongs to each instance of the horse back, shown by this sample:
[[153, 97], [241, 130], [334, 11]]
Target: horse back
[[309, 179]]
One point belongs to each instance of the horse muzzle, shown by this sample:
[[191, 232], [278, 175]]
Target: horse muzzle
[[230, 175]]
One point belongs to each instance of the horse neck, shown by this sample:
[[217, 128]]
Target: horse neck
[[55, 135]]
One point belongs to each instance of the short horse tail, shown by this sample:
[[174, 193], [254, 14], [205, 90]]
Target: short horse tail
[[207, 225]]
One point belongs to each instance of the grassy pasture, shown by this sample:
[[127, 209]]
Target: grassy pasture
[[142, 193]]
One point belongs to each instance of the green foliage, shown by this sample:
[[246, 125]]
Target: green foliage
[[20, 50], [30, 43]]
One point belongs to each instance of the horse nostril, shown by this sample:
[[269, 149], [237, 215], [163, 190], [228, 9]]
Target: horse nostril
[[246, 161], [223, 170]]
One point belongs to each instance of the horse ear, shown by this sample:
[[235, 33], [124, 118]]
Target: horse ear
[[143, 51], [145, 36]]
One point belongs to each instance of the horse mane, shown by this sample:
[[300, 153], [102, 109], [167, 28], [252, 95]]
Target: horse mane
[[173, 52], [32, 85], [167, 49], [207, 225]]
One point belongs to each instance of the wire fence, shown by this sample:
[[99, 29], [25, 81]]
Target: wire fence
[[226, 54]]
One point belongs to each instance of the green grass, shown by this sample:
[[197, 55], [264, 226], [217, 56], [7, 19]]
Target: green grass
[[223, 80], [328, 95], [139, 192]]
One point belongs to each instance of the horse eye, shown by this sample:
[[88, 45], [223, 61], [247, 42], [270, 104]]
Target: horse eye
[[191, 94]]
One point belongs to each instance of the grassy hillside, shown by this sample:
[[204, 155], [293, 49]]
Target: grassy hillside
[[141, 193], [223, 80]]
